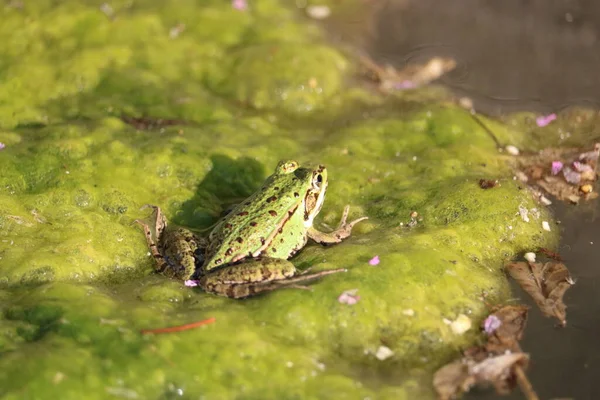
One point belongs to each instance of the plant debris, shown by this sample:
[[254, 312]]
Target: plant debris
[[413, 76], [179, 328], [488, 183], [568, 174], [499, 362], [544, 120], [374, 261], [546, 284], [550, 254], [349, 297], [149, 123]]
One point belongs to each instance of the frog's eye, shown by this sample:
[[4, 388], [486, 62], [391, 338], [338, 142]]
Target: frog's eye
[[317, 181]]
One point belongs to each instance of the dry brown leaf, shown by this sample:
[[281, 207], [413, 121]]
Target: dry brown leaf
[[499, 362], [459, 376], [546, 284]]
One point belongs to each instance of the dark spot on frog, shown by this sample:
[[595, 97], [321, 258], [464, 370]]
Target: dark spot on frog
[[266, 273], [296, 194], [239, 240], [273, 249], [243, 213], [262, 241], [276, 188], [280, 230], [272, 198], [218, 261], [228, 226], [229, 251], [252, 223], [281, 240], [272, 212]]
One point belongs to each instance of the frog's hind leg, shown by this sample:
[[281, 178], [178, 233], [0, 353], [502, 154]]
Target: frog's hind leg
[[239, 281]]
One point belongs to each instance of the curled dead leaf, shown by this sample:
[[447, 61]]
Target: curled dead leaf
[[545, 283], [459, 376]]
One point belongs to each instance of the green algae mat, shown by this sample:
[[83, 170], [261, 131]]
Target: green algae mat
[[105, 108]]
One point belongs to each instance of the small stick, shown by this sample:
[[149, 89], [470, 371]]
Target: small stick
[[524, 384], [179, 328]]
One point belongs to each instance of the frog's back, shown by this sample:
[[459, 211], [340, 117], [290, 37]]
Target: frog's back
[[254, 224]]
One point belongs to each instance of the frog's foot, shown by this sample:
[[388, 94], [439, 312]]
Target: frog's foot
[[343, 230]]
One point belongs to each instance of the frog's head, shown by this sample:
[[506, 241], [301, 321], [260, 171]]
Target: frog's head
[[309, 182]]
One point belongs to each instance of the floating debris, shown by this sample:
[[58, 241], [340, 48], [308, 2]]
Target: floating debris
[[413, 76], [512, 150], [177, 30], [409, 312], [491, 323], [241, 5], [499, 362], [545, 201], [374, 261], [107, 10], [529, 257], [2, 145], [488, 183], [557, 166], [179, 328], [191, 283], [544, 120], [318, 12], [546, 226], [545, 283], [461, 324], [568, 174], [524, 213], [349, 297], [383, 353]]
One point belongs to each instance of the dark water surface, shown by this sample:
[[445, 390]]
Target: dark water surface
[[538, 55], [535, 55]]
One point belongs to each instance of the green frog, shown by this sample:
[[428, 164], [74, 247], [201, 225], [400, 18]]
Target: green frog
[[247, 251]]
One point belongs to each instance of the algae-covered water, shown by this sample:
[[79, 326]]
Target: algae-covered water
[[236, 90]]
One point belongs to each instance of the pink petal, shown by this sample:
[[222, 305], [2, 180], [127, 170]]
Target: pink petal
[[491, 323], [544, 120], [349, 297], [571, 176], [405, 85], [191, 283], [556, 167], [580, 167], [374, 260], [241, 5]]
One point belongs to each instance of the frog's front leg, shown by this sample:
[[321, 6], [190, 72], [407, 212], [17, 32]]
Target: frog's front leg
[[256, 276], [343, 230], [160, 223]]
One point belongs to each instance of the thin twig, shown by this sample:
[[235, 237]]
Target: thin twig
[[180, 327], [524, 384]]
